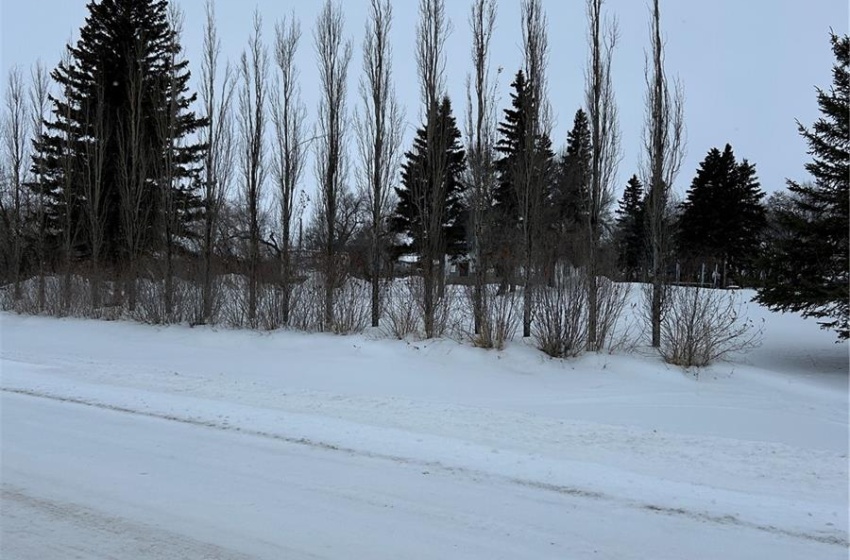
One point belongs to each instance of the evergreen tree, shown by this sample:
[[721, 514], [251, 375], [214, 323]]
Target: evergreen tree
[[570, 191], [723, 217], [808, 267], [124, 72], [567, 194], [511, 132], [512, 177], [630, 229], [510, 149], [422, 199]]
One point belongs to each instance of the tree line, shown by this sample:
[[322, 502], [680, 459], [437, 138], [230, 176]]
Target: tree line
[[122, 188]]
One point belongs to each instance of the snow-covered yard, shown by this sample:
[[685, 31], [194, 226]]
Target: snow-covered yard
[[127, 441]]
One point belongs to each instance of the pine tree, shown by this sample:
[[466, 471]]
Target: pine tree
[[126, 49], [723, 216], [423, 199], [808, 267], [630, 229]]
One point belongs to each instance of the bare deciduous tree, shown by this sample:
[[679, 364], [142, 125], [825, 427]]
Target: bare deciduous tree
[[480, 141], [67, 203], [289, 115], [333, 56], [431, 33], [252, 124], [663, 151], [605, 154], [94, 188], [379, 125], [217, 135], [39, 107], [531, 174], [167, 173], [133, 172], [13, 204]]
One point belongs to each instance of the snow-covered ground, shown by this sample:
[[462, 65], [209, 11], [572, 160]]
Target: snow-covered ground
[[127, 441]]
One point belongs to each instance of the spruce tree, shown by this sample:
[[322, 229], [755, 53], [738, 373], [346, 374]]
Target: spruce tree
[[512, 176], [808, 268], [422, 199], [510, 148], [630, 229], [570, 190], [512, 131], [723, 217], [126, 59], [567, 194]]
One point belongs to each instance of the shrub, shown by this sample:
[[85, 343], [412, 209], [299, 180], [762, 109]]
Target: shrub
[[560, 315], [702, 325]]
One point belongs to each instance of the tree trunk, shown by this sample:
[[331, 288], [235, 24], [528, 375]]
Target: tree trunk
[[286, 281], [428, 297], [593, 307], [376, 281], [657, 309], [66, 287], [169, 280], [131, 282], [95, 284], [527, 299], [478, 297], [206, 278]]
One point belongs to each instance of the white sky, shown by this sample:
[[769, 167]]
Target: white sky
[[748, 67]]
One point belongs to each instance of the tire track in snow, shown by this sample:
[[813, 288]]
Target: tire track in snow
[[88, 533], [438, 466]]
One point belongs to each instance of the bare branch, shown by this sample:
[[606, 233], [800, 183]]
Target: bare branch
[[432, 31]]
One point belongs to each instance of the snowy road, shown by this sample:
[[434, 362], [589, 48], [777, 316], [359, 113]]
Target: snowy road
[[91, 482]]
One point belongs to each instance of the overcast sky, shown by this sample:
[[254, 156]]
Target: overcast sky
[[748, 67]]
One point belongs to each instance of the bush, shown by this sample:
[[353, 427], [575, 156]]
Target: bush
[[560, 315], [352, 307], [611, 300], [499, 317], [702, 325], [307, 304], [401, 318]]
